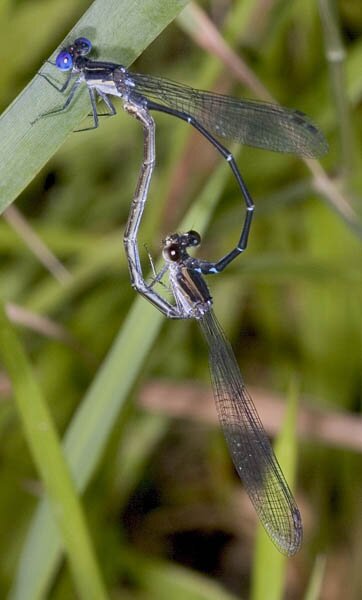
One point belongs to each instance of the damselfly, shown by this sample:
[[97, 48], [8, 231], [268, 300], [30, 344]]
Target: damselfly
[[258, 124], [247, 440]]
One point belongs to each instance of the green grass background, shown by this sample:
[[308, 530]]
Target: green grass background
[[162, 514]]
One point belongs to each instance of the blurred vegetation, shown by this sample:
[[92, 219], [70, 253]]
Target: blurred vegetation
[[164, 507]]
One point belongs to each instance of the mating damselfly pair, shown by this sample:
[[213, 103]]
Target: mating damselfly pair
[[215, 116]]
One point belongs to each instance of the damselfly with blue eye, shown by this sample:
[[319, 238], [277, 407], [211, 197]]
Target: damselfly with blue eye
[[248, 443], [257, 124]]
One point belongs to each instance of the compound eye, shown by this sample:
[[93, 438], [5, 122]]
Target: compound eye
[[64, 61], [83, 46], [172, 253], [194, 238]]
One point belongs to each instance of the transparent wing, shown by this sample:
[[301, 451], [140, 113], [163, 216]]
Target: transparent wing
[[249, 445], [258, 124]]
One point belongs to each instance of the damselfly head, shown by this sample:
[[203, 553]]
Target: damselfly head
[[192, 238], [174, 246], [65, 59], [82, 46], [172, 253]]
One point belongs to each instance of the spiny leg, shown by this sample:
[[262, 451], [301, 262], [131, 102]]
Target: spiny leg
[[63, 87], [94, 113], [63, 108], [109, 104]]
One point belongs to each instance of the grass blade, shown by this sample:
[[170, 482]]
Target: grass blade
[[161, 580], [46, 450], [123, 30], [314, 590], [270, 565]]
